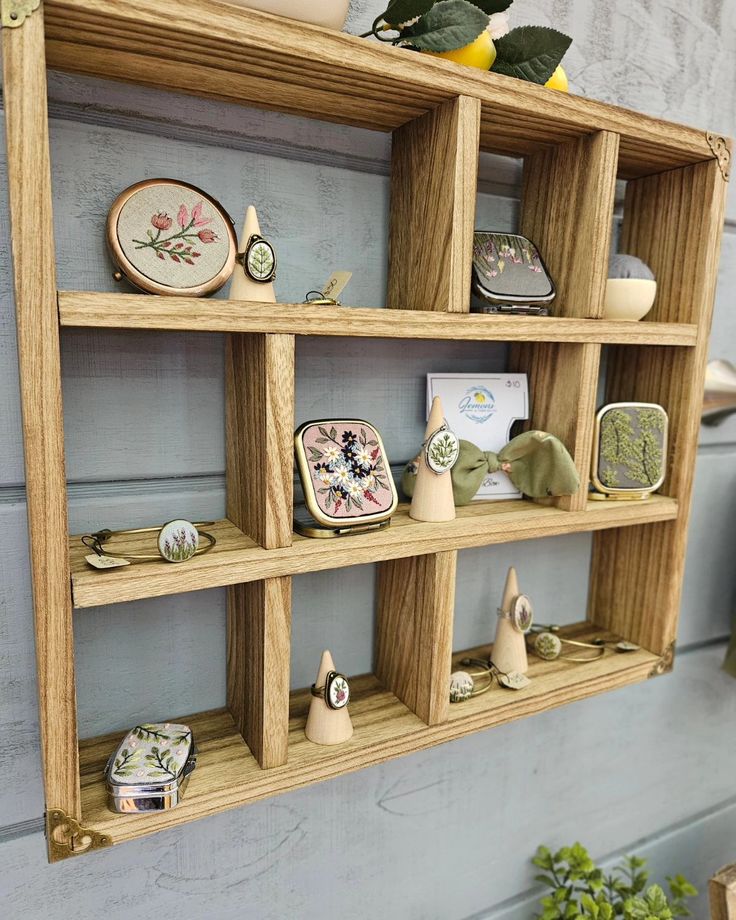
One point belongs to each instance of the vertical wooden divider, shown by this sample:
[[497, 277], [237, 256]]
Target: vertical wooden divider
[[416, 600], [567, 211], [434, 179], [259, 384], [34, 273], [673, 222]]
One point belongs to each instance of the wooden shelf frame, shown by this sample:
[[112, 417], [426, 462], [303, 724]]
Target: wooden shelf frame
[[228, 775], [93, 310], [441, 116], [237, 558]]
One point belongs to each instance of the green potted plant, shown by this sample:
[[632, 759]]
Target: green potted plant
[[475, 33], [579, 889]]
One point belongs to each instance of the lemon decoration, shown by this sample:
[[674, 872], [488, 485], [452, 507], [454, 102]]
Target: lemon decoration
[[480, 53], [558, 80]]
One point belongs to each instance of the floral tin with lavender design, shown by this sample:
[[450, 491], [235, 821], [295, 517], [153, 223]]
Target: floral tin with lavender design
[[509, 274], [345, 475], [169, 237], [150, 770]]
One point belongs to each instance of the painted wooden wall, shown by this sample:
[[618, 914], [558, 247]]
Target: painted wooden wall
[[441, 835]]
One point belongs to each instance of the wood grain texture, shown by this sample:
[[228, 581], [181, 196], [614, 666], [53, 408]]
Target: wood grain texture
[[227, 775], [259, 423], [253, 58], [141, 311], [29, 190], [434, 180], [674, 223], [722, 894], [258, 653], [563, 385], [237, 558], [567, 211], [416, 603]]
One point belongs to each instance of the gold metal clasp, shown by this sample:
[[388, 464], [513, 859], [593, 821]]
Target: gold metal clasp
[[13, 13], [66, 837], [721, 148]]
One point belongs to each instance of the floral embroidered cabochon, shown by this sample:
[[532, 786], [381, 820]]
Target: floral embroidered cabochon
[[344, 471], [171, 238]]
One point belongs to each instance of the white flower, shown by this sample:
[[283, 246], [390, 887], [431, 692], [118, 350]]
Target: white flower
[[498, 25], [342, 475], [325, 477], [367, 482], [332, 452], [353, 488], [363, 456]]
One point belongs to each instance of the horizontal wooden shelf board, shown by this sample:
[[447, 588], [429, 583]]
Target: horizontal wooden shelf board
[[236, 558], [142, 311], [227, 52], [227, 775]]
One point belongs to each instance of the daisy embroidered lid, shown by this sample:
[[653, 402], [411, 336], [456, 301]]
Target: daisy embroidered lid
[[344, 472], [168, 237]]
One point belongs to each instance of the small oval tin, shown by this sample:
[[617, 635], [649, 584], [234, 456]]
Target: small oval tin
[[169, 237], [151, 767]]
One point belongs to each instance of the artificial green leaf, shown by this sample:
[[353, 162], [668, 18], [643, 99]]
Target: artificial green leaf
[[448, 25], [400, 11], [492, 6], [530, 53]]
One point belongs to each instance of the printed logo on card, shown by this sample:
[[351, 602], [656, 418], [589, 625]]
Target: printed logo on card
[[478, 405]]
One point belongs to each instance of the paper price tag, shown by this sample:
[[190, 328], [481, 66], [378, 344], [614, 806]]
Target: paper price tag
[[336, 284], [105, 562]]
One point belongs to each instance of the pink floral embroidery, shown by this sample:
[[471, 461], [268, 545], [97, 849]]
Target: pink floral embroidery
[[179, 247]]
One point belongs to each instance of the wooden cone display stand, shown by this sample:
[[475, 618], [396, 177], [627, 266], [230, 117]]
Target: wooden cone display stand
[[325, 725], [432, 500], [242, 287], [509, 647]]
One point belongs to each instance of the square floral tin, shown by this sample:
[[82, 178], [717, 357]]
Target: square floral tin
[[150, 770], [345, 474]]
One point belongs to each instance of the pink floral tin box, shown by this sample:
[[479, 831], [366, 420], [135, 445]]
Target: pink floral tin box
[[344, 472]]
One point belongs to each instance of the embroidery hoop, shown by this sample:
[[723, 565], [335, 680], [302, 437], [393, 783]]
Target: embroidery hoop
[[125, 268]]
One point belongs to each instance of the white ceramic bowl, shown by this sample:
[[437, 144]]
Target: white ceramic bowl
[[629, 298], [330, 14]]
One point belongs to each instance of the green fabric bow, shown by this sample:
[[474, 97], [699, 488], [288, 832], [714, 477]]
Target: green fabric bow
[[537, 463]]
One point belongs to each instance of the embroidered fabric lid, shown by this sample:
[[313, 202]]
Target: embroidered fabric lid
[[151, 753], [169, 237], [344, 472]]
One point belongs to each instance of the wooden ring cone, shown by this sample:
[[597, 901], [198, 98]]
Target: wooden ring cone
[[432, 500], [325, 725], [509, 646], [242, 287]]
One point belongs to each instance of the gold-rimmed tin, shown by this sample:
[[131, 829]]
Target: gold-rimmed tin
[[156, 257], [366, 472], [608, 486]]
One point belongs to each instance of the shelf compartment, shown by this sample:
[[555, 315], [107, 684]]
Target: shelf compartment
[[256, 59], [228, 776], [237, 559], [83, 309]]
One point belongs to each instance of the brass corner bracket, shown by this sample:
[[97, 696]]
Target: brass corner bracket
[[721, 147], [666, 663], [15, 12], [65, 837]]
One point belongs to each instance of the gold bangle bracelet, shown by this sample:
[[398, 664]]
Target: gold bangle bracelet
[[178, 541]]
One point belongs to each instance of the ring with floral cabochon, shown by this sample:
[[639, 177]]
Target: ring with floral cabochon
[[335, 691]]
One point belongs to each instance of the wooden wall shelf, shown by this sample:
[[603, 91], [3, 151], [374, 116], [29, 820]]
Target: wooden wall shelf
[[264, 61], [238, 559], [228, 775], [441, 116], [139, 311]]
